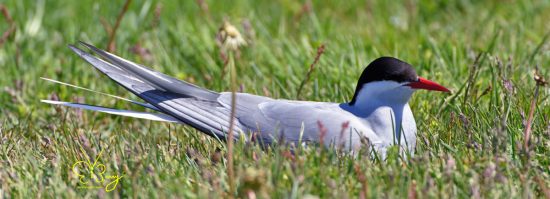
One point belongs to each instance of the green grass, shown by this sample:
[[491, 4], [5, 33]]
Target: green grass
[[469, 143]]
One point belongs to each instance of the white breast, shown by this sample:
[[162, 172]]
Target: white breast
[[384, 122]]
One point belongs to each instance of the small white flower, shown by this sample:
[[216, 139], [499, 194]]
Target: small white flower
[[230, 38]]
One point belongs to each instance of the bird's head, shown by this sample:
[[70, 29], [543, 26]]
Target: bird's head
[[389, 80]]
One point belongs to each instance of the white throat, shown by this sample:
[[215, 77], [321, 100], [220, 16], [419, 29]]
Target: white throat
[[382, 94]]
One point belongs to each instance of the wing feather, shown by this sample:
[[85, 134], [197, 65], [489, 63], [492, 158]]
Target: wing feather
[[206, 117], [156, 79]]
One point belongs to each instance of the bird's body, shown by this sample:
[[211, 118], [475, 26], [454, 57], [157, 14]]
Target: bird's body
[[379, 110]]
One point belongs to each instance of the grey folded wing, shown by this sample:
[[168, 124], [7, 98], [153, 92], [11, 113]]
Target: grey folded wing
[[295, 121], [188, 103]]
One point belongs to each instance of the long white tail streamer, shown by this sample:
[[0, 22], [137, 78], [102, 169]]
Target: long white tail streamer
[[102, 93], [127, 113]]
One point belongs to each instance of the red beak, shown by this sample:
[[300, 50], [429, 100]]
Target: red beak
[[428, 85]]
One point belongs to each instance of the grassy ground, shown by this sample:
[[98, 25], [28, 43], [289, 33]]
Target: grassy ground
[[470, 142]]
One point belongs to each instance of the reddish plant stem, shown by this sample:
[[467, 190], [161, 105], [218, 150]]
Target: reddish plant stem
[[527, 133], [111, 46], [320, 51], [10, 22], [105, 25]]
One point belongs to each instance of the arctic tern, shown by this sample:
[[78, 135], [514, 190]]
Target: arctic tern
[[378, 111]]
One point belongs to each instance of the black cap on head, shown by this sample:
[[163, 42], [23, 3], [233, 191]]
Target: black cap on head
[[385, 68]]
